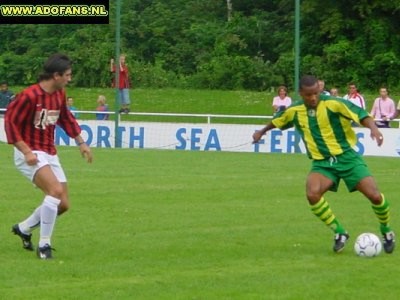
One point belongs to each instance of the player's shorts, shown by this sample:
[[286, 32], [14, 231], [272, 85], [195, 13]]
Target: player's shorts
[[124, 97], [43, 160], [348, 166]]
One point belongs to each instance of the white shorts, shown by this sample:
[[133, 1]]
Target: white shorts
[[43, 160]]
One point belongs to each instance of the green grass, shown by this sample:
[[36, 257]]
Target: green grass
[[178, 101], [148, 224]]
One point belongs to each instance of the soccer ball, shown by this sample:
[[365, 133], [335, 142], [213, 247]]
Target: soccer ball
[[367, 245]]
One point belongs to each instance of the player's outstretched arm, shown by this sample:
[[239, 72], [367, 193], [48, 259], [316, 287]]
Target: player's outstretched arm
[[375, 133], [259, 133], [86, 152], [84, 149]]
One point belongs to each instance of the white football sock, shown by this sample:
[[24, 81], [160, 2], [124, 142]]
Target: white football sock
[[31, 222], [48, 215]]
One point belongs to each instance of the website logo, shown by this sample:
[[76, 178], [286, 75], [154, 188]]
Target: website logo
[[54, 12]]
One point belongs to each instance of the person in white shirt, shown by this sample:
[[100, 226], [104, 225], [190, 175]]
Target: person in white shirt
[[354, 96], [282, 101]]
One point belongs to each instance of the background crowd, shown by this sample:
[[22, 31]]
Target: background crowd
[[383, 109]]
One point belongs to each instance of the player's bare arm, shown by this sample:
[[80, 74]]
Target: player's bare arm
[[375, 133], [84, 149], [259, 133], [30, 157]]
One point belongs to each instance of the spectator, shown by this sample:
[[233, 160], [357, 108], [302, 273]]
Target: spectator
[[72, 108], [383, 109], [322, 90], [334, 92], [354, 96], [6, 96], [102, 107], [124, 83], [282, 101], [397, 110]]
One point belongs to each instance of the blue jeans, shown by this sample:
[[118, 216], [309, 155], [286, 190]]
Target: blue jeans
[[124, 97]]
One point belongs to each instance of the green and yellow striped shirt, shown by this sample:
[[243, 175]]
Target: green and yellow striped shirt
[[326, 130]]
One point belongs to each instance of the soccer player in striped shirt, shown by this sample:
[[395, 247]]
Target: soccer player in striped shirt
[[324, 123], [30, 123]]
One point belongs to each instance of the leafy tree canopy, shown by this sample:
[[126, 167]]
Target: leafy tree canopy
[[191, 43]]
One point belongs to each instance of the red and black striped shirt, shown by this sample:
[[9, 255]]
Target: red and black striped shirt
[[33, 115]]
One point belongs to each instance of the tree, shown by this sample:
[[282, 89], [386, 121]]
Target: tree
[[229, 9], [190, 43]]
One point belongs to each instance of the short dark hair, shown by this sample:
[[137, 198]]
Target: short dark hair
[[3, 82], [307, 81], [57, 63], [384, 87]]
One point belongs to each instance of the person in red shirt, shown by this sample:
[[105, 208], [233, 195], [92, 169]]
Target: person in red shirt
[[30, 122], [124, 83]]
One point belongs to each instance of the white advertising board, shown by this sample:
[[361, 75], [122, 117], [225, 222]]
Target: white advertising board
[[210, 137]]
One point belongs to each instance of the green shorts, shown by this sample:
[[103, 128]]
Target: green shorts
[[348, 166]]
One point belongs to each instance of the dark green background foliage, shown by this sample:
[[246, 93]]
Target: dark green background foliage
[[192, 44]]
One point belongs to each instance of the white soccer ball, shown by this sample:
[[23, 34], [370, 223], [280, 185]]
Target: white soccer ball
[[368, 245]]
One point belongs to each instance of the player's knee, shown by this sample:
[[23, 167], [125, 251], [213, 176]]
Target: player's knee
[[56, 191], [63, 207], [375, 198], [313, 197]]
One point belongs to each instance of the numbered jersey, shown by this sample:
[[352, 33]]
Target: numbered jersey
[[33, 115]]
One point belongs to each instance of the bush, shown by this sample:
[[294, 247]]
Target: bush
[[149, 75], [235, 72]]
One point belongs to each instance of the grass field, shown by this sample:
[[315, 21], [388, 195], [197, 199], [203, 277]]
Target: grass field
[[171, 100], [149, 224]]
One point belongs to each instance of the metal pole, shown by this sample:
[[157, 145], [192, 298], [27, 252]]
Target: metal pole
[[297, 49], [117, 138]]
